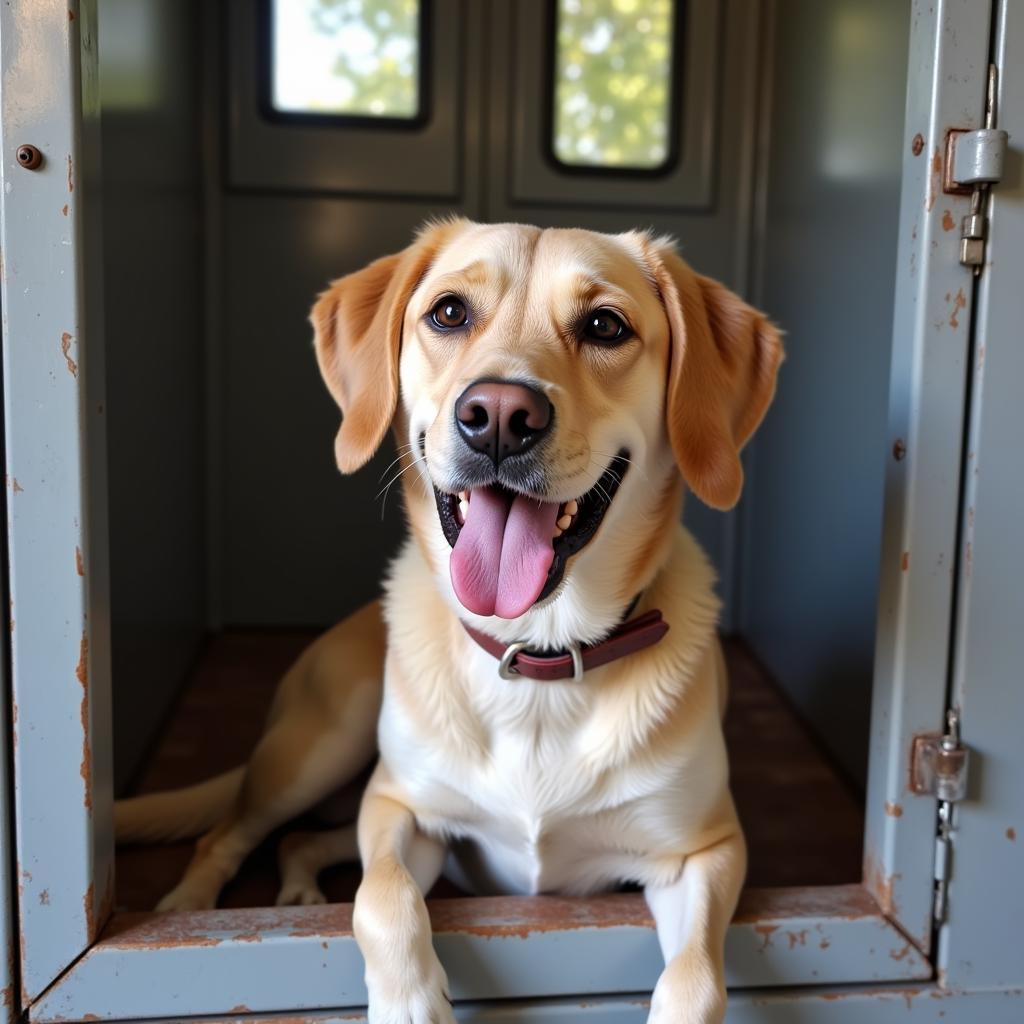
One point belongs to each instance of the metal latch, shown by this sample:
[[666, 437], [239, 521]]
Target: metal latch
[[938, 767], [974, 160]]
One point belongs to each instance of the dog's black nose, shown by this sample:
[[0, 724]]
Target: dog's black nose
[[502, 418]]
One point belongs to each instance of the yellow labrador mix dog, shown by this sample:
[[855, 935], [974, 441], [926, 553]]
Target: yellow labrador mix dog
[[542, 680]]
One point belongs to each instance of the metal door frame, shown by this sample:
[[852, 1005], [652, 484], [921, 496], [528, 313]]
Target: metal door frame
[[78, 962]]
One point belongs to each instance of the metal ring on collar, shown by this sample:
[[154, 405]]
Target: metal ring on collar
[[577, 663], [505, 669]]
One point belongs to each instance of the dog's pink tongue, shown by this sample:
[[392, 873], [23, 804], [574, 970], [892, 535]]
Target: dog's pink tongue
[[503, 554]]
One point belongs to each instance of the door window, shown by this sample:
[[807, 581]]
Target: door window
[[613, 73], [346, 58]]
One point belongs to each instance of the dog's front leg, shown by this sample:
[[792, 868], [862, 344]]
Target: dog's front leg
[[405, 980], [691, 916]]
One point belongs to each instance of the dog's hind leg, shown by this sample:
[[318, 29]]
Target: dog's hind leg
[[303, 855], [322, 733]]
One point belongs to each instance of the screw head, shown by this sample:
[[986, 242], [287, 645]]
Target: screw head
[[29, 157]]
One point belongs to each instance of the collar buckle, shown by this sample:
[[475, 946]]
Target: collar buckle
[[507, 670]]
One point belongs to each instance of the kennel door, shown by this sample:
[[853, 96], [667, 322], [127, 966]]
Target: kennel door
[[55, 451], [986, 892]]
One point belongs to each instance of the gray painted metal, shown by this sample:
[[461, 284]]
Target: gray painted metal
[[881, 1005], [978, 156], [535, 179], [826, 258], [424, 162], [946, 84], [210, 962], [10, 996], [149, 92], [980, 944], [55, 438]]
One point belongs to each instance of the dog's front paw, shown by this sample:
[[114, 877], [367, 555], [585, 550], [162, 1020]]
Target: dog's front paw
[[688, 997], [398, 1000]]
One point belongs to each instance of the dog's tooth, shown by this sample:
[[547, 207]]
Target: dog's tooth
[[558, 532], [463, 495], [572, 507], [565, 522], [463, 509]]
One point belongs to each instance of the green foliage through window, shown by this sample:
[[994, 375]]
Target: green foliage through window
[[350, 57], [613, 82]]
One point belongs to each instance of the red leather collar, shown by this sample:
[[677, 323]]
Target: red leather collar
[[643, 631]]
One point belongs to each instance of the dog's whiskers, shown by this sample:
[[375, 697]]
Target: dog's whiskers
[[387, 487], [403, 450]]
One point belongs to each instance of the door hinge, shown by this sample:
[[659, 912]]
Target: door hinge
[[938, 767], [974, 162]]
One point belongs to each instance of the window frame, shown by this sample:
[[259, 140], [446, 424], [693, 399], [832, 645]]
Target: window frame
[[675, 115], [265, 82]]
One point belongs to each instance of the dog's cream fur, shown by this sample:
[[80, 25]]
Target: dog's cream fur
[[516, 786]]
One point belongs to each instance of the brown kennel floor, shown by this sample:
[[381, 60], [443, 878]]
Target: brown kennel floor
[[803, 824]]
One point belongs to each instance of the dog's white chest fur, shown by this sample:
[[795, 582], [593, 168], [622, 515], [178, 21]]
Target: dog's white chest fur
[[543, 787]]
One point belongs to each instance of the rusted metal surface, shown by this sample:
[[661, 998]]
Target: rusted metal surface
[[55, 460], [946, 85], [879, 1004], [492, 948]]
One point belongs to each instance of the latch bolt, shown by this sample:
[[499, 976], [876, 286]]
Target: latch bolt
[[975, 161], [938, 767]]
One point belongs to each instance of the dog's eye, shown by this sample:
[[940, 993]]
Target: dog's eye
[[605, 327], [449, 313]]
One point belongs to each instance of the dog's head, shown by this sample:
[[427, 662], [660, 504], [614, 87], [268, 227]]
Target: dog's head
[[548, 389]]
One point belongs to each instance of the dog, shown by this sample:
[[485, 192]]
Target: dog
[[542, 681]]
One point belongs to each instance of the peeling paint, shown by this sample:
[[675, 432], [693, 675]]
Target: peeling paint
[[893, 810], [881, 886], [934, 180], [64, 209], [82, 673], [959, 302], [765, 931], [89, 906], [79, 562], [1011, 834], [905, 561], [16, 488], [947, 221], [71, 180], [44, 897], [917, 144], [65, 347]]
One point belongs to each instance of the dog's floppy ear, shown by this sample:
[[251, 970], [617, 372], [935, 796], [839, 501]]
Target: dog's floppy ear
[[357, 325], [724, 359]]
